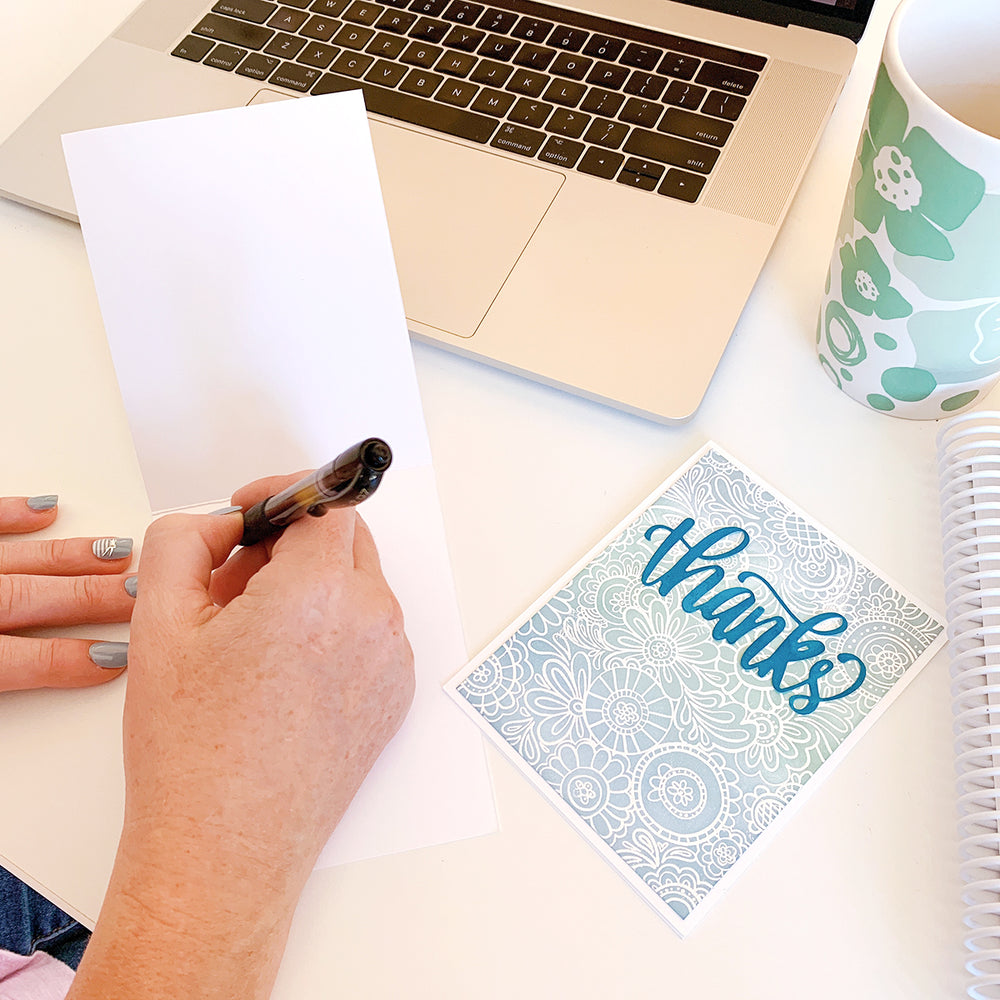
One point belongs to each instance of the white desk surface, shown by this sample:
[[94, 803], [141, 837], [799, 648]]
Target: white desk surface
[[857, 897]]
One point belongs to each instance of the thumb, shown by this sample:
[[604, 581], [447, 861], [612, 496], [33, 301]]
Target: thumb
[[179, 553]]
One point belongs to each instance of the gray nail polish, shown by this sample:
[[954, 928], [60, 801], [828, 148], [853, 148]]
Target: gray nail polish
[[227, 510], [112, 548], [46, 502], [131, 585], [111, 655]]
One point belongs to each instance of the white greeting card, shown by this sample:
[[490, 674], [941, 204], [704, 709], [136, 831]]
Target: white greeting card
[[246, 280]]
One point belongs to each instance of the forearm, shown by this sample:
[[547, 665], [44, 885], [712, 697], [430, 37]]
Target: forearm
[[182, 919]]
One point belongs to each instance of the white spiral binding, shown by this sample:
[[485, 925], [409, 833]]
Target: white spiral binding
[[969, 476]]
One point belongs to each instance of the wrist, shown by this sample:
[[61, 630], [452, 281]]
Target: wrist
[[187, 916]]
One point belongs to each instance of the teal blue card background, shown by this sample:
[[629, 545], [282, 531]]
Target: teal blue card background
[[678, 691]]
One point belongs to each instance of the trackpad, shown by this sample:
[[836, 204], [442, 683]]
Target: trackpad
[[459, 219]]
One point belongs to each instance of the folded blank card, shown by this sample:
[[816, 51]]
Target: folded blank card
[[245, 276]]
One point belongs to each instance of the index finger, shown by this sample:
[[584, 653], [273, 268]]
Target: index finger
[[19, 514]]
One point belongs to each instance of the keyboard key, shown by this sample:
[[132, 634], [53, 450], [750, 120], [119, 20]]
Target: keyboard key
[[532, 30], [498, 47], [721, 105], [464, 13], [681, 66], [385, 73], [354, 36], [492, 102], [258, 66], [604, 47], [640, 112], [225, 57], [528, 112], [669, 149], [493, 74], [528, 83], [362, 13], [288, 19], [701, 128], [641, 56], [285, 46], [457, 92], [320, 27], [684, 95], [421, 54], [534, 56], [644, 174], [247, 10], [465, 39], [332, 8], [432, 8], [604, 132], [497, 20], [517, 139], [608, 75], [571, 65], [429, 30], [388, 46], [567, 39], [421, 83], [567, 123], [225, 29], [398, 21], [601, 162], [318, 54], [193, 48], [646, 85], [565, 92], [354, 64], [680, 184], [455, 63], [602, 102], [728, 78], [295, 77], [561, 152]]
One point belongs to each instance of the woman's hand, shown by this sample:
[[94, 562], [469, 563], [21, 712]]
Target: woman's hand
[[262, 687], [55, 582]]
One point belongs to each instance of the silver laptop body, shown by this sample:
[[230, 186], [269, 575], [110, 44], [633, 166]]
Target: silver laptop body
[[602, 287]]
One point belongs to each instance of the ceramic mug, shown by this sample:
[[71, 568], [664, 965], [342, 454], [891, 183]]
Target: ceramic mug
[[910, 321]]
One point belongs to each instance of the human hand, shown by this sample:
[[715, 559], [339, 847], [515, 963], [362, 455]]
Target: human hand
[[53, 582], [261, 694]]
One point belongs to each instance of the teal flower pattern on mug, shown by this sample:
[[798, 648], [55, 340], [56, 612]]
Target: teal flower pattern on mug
[[865, 282], [908, 181]]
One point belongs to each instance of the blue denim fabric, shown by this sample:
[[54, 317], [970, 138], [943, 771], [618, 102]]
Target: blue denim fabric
[[29, 922]]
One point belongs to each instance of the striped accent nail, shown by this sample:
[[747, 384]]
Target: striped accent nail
[[110, 655], [46, 502], [112, 548]]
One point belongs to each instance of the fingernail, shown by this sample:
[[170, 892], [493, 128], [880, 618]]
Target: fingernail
[[110, 655], [228, 510], [131, 585], [46, 502], [112, 548]]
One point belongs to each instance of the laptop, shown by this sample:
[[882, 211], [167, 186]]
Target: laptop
[[581, 194]]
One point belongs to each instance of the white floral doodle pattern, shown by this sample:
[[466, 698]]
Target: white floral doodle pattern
[[657, 708]]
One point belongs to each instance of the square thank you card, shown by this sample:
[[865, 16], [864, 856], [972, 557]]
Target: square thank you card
[[680, 688]]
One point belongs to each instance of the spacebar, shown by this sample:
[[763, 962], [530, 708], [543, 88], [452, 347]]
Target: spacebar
[[414, 110]]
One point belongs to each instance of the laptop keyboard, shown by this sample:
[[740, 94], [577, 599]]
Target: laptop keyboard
[[639, 107]]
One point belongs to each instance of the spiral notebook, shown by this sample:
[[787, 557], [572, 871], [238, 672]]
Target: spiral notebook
[[969, 471], [683, 688]]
